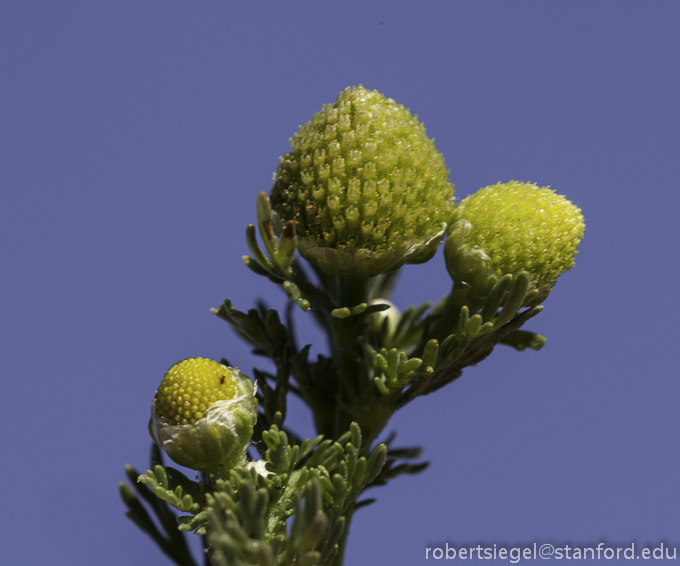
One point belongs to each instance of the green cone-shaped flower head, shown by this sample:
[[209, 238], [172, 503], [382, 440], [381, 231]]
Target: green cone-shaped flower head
[[365, 186], [513, 227], [203, 415]]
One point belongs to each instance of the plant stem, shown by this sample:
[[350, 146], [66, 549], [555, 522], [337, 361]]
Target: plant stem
[[354, 402], [347, 353]]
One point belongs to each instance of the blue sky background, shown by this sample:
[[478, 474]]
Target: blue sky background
[[134, 137]]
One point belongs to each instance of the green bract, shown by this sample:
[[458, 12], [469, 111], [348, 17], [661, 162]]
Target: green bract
[[513, 227], [365, 186], [203, 415]]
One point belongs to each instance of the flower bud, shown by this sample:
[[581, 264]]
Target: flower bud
[[366, 187], [203, 415], [377, 319], [510, 228]]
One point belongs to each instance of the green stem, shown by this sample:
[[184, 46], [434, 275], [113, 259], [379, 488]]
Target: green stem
[[355, 398], [346, 350], [352, 379]]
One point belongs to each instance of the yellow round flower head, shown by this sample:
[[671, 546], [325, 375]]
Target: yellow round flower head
[[190, 387], [514, 227], [366, 187], [203, 415]]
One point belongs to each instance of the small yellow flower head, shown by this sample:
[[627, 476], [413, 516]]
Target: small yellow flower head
[[513, 227], [190, 387], [366, 187], [203, 415]]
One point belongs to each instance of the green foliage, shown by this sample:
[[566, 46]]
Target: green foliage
[[245, 515], [168, 537], [380, 360]]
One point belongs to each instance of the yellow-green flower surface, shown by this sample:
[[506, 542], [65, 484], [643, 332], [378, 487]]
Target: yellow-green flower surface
[[190, 387], [203, 415], [366, 187], [523, 227]]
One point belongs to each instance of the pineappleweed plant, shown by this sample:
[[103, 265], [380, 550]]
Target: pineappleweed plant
[[362, 192]]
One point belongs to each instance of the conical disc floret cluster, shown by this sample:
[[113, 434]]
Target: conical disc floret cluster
[[518, 227], [365, 186]]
